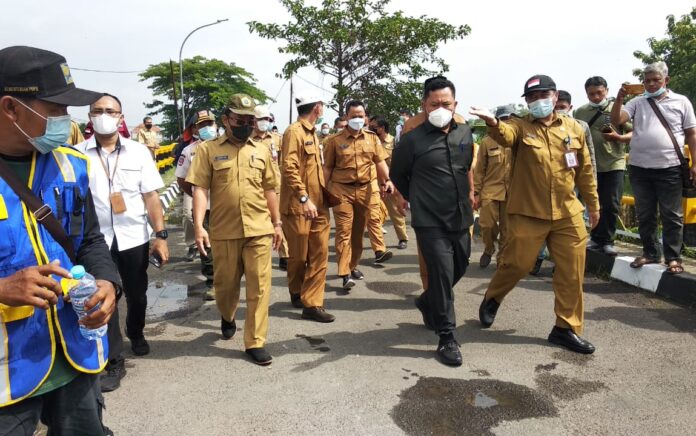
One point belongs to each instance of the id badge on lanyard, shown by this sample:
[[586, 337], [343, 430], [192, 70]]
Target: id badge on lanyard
[[571, 156], [118, 203]]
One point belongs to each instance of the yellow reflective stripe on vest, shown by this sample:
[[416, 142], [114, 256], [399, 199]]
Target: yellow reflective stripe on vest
[[65, 166]]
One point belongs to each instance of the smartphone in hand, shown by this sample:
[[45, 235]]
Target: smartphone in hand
[[155, 260]]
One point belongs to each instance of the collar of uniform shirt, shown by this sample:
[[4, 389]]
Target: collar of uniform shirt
[[238, 142], [348, 134], [307, 125]]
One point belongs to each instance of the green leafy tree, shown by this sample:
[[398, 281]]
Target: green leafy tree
[[678, 51], [208, 84], [371, 54]]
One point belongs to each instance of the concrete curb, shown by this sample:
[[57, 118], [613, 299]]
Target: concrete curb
[[167, 197], [653, 278]]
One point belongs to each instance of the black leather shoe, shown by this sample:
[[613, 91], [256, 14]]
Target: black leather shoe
[[260, 356], [317, 314], [402, 245], [296, 301], [485, 260], [449, 353], [111, 377], [568, 339], [537, 267], [383, 256], [228, 328], [421, 306], [140, 346], [357, 274], [283, 263], [487, 312], [348, 282]]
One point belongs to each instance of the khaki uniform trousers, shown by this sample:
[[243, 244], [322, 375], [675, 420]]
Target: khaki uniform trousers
[[374, 227], [308, 241], [283, 251], [492, 220], [250, 257], [566, 239], [398, 220], [358, 204]]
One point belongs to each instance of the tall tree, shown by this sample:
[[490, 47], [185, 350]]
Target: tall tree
[[678, 51], [371, 54], [208, 84]]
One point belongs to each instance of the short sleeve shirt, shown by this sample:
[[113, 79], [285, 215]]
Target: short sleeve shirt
[[184, 162], [133, 174], [651, 146], [236, 174], [351, 158]]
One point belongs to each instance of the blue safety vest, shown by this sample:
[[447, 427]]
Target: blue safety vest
[[28, 335]]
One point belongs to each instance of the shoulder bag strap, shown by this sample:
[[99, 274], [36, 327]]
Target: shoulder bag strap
[[42, 212], [663, 121]]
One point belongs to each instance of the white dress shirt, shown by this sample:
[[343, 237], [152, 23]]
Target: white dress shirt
[[135, 175]]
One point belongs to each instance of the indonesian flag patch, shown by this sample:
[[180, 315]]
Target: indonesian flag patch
[[532, 83]]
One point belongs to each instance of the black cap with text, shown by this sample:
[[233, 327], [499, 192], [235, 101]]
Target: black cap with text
[[41, 74]]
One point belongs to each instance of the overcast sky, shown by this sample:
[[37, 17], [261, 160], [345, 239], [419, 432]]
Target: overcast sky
[[509, 42]]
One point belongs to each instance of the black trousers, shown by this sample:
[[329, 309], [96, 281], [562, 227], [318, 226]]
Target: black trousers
[[446, 257], [610, 190], [659, 187], [207, 261], [132, 267], [71, 410]]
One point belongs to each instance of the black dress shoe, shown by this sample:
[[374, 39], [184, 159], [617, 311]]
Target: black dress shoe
[[487, 312], [296, 301], [383, 256], [423, 308], [449, 353], [357, 274], [283, 263], [317, 314], [260, 356], [402, 245], [485, 260], [568, 339], [140, 346], [537, 267], [228, 328]]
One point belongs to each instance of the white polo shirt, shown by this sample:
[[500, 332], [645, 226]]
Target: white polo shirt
[[182, 167], [135, 175]]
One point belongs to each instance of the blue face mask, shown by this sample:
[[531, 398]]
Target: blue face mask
[[657, 93], [541, 108], [207, 133], [57, 132]]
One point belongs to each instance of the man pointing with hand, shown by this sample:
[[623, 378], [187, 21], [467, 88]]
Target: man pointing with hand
[[550, 160]]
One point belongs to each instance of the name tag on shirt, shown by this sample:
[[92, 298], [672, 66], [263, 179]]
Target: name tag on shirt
[[571, 159], [309, 143], [217, 158]]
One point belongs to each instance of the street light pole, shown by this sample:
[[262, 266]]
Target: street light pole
[[181, 69]]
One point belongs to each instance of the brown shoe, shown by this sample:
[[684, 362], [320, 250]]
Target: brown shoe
[[296, 301], [317, 314]]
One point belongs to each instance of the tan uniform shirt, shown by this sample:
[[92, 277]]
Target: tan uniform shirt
[[388, 146], [301, 168], [237, 175], [273, 141], [149, 138], [351, 158], [492, 170], [541, 185]]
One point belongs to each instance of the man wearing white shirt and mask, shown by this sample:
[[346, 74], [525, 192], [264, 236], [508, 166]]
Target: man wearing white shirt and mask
[[124, 183]]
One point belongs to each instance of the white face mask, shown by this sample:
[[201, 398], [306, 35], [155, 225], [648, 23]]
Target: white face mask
[[105, 124], [263, 125], [324, 132], [440, 117], [356, 123]]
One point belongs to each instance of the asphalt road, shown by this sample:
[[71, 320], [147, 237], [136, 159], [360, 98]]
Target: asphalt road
[[374, 371]]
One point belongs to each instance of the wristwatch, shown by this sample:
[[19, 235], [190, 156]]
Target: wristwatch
[[162, 234], [303, 199]]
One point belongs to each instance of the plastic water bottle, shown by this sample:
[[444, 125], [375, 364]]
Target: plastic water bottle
[[84, 285]]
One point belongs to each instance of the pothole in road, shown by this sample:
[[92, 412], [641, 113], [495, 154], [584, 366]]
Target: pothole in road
[[166, 300], [442, 406]]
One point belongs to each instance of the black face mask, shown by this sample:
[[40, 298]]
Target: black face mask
[[242, 132], [148, 126]]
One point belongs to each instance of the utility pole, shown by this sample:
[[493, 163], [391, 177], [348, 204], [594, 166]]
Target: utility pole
[[176, 105], [291, 102]]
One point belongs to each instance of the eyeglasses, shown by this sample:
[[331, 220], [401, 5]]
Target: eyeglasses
[[109, 112], [239, 122]]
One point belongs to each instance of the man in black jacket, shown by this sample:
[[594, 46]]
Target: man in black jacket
[[431, 169]]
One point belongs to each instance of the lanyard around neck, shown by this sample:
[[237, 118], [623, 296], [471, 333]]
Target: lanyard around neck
[[111, 176]]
